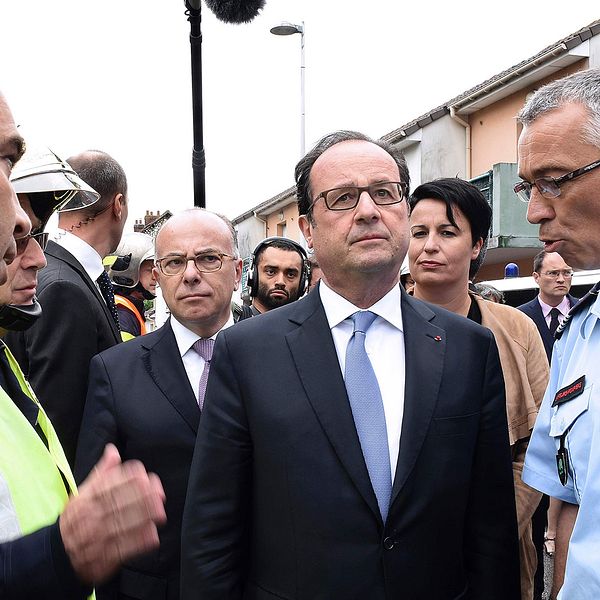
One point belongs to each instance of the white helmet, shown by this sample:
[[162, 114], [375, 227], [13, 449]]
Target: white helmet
[[42, 171], [133, 250]]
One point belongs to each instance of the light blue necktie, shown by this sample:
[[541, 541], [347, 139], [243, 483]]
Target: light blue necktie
[[367, 409]]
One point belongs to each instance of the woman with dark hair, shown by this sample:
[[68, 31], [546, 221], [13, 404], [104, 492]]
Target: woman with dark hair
[[449, 224]]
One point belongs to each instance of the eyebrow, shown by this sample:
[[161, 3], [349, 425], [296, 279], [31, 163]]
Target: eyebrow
[[13, 147]]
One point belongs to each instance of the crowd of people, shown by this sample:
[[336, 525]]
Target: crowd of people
[[361, 427]]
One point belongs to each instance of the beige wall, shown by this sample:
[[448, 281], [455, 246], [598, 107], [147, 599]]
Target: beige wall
[[495, 131], [288, 225]]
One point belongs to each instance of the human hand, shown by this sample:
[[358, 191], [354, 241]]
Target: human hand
[[114, 517]]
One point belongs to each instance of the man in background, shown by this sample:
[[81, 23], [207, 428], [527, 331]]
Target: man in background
[[279, 274], [79, 317]]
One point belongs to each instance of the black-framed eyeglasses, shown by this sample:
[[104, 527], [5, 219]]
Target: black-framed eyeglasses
[[549, 187], [347, 197], [566, 273], [41, 238], [206, 262]]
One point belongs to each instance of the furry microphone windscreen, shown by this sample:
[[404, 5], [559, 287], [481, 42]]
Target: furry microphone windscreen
[[235, 11]]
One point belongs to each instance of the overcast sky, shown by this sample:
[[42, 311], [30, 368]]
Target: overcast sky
[[115, 75]]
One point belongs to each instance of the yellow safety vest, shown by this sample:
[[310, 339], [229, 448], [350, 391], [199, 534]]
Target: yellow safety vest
[[32, 489]]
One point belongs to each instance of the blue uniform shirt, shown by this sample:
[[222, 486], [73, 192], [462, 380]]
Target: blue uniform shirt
[[576, 354]]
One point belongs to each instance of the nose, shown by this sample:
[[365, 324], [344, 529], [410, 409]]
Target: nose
[[191, 274], [431, 244], [33, 257], [539, 208], [366, 209]]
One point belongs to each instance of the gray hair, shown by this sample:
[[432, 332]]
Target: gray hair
[[582, 87]]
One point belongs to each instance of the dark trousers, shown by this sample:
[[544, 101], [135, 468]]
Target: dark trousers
[[538, 529]]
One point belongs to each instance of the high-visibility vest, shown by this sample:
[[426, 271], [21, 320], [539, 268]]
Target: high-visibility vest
[[32, 476], [129, 305], [32, 490]]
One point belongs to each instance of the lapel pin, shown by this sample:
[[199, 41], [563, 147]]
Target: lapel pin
[[437, 338]]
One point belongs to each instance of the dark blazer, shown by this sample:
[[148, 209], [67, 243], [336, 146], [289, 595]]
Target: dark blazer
[[140, 399], [280, 504], [55, 352], [534, 311]]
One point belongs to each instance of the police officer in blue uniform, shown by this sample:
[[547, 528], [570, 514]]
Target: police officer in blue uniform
[[559, 163]]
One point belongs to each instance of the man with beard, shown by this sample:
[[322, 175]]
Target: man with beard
[[278, 275]]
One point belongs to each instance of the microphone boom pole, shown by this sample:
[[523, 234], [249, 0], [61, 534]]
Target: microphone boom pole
[[198, 157]]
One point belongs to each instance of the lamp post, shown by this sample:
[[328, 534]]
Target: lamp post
[[286, 28]]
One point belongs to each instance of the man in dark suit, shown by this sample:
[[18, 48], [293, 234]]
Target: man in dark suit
[[144, 395], [77, 321], [354, 443], [548, 309]]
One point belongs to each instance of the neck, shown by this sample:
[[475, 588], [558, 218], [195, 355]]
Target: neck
[[455, 299], [551, 300], [207, 328], [93, 233], [363, 294], [259, 306]]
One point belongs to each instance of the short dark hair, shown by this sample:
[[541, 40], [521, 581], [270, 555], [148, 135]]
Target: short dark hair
[[103, 173], [538, 261], [453, 191], [282, 244], [305, 165]]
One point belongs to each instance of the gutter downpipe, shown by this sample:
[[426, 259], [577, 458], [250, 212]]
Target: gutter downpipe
[[263, 221], [467, 127]]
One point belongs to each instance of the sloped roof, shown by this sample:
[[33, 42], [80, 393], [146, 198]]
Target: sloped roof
[[563, 46]]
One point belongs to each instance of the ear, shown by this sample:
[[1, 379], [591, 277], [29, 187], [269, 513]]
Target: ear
[[155, 273], [238, 273], [118, 205], [476, 249], [306, 228], [536, 277]]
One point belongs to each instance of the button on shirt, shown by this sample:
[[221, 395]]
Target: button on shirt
[[577, 353], [563, 308], [385, 347], [193, 363]]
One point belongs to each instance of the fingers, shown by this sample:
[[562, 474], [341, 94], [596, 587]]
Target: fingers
[[114, 517]]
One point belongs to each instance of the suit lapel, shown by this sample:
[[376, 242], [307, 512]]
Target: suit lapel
[[163, 362], [55, 250], [315, 357], [424, 347]]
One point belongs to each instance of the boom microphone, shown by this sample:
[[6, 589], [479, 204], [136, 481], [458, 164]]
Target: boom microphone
[[235, 11]]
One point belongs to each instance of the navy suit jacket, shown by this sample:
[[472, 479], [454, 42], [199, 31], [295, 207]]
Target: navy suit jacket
[[140, 399], [280, 504], [534, 311], [55, 352]]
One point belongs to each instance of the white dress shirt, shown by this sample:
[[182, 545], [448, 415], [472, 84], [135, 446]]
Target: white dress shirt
[[87, 257], [563, 308], [193, 363], [384, 345]]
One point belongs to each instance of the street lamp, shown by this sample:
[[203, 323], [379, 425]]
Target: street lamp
[[286, 28]]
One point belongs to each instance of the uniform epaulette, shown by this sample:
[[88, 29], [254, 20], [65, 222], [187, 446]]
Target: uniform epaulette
[[588, 299]]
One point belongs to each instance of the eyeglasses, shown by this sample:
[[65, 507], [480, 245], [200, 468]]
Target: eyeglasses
[[176, 264], [346, 198], [549, 187], [566, 273], [22, 242]]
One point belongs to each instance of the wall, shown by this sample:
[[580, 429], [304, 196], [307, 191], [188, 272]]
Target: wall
[[443, 150], [289, 222]]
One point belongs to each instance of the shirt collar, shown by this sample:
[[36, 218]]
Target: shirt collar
[[564, 307], [338, 309], [87, 257], [186, 338]]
